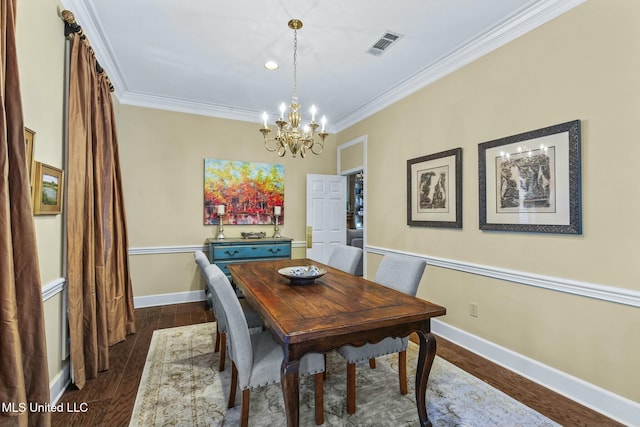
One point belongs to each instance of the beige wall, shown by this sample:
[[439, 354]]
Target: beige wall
[[352, 156], [40, 41], [579, 66], [162, 156]]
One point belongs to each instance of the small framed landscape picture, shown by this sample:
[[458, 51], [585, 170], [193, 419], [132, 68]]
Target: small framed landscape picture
[[48, 188]]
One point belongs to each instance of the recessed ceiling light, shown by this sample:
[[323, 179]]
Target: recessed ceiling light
[[271, 65]]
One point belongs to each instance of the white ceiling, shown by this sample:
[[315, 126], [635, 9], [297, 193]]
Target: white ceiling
[[206, 56]]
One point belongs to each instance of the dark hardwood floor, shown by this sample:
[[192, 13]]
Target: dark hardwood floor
[[110, 397]]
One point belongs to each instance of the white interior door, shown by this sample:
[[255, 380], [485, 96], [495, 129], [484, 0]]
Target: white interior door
[[326, 214]]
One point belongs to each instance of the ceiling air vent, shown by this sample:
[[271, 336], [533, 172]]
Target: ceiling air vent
[[384, 43]]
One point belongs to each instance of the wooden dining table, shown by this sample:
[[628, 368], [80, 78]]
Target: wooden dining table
[[336, 309]]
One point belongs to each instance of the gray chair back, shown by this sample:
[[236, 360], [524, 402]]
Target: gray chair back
[[201, 260], [213, 274], [402, 273], [345, 258], [240, 348]]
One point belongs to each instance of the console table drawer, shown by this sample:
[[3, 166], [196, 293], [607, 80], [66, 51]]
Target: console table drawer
[[230, 251], [250, 252]]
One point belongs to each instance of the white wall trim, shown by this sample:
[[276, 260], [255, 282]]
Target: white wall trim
[[612, 405], [167, 249], [363, 167], [59, 385], [537, 15], [53, 288], [529, 19], [152, 250], [166, 299], [574, 287], [609, 404], [585, 289]]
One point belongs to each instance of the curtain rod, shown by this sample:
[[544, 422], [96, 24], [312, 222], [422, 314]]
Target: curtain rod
[[70, 27]]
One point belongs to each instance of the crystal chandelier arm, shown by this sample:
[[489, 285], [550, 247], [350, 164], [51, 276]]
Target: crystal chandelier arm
[[289, 136], [317, 147], [269, 143]]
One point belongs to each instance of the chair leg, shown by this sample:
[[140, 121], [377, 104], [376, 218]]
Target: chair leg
[[217, 347], [319, 393], [244, 417], [402, 371], [324, 373], [372, 363], [233, 386], [351, 388], [223, 351]]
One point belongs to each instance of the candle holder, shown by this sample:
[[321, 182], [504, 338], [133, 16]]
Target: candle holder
[[220, 235], [276, 230]]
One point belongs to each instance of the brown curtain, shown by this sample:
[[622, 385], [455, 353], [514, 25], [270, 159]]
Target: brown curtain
[[24, 376], [100, 294]]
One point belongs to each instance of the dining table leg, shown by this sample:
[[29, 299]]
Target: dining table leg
[[425, 360], [290, 391]]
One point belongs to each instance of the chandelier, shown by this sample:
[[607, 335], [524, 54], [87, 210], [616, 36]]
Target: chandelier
[[289, 136]]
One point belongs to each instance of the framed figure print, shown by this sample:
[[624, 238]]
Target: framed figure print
[[48, 188], [434, 190], [531, 181]]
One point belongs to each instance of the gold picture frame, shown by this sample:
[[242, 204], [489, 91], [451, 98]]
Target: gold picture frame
[[48, 187], [29, 141]]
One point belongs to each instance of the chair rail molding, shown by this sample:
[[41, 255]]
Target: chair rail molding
[[53, 288], [150, 250], [574, 287], [153, 250]]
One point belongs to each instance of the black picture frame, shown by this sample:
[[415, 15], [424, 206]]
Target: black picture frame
[[434, 190], [531, 182]]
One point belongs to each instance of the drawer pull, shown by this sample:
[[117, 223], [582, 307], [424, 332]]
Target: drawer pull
[[235, 252], [274, 251]]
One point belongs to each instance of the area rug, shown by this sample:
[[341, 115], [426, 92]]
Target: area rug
[[181, 386]]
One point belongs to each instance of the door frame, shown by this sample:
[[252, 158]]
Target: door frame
[[363, 167]]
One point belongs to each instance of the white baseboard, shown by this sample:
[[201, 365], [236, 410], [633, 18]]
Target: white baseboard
[[166, 299], [60, 383], [609, 404]]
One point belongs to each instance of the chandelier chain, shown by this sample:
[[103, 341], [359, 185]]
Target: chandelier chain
[[295, 63], [290, 135]]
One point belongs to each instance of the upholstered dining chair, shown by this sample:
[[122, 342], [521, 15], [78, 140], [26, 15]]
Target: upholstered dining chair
[[203, 261], [345, 258], [403, 274], [256, 359], [220, 338]]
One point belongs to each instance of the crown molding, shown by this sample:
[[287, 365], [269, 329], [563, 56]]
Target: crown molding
[[531, 18], [537, 15]]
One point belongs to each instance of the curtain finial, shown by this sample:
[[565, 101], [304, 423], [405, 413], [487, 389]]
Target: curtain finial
[[68, 17]]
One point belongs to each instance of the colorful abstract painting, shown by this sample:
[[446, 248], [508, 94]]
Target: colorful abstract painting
[[249, 191]]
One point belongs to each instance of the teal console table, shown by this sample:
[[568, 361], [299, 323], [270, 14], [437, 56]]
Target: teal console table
[[234, 251]]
